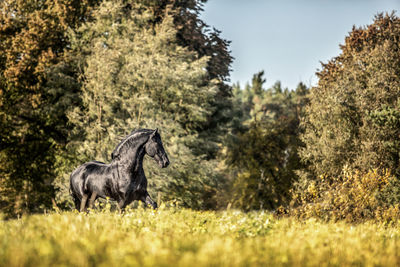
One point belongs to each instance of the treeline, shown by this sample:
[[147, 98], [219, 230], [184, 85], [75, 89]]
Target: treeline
[[76, 76]]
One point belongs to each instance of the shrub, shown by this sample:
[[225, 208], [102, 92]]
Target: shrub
[[353, 196]]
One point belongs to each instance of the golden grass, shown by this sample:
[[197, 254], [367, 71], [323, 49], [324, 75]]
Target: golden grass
[[181, 237]]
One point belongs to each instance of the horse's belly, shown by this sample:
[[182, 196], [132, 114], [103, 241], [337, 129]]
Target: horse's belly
[[135, 194], [101, 184]]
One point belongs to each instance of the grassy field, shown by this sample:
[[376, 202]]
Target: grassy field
[[179, 237]]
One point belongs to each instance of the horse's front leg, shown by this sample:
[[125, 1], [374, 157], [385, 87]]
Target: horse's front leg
[[121, 205], [147, 199]]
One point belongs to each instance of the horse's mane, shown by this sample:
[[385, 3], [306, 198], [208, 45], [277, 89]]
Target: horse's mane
[[129, 140]]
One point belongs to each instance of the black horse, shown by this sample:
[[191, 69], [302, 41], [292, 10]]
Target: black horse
[[123, 180]]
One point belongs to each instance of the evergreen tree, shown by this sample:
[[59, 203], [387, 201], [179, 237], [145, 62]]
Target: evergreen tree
[[261, 154]]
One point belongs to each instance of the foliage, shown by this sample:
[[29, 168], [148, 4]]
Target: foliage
[[352, 124], [136, 75], [181, 237], [32, 111], [261, 153], [76, 76], [195, 35], [353, 118], [41, 81], [352, 197]]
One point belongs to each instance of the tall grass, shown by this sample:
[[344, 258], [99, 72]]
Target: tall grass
[[180, 237]]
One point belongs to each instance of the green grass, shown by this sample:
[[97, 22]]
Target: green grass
[[179, 237]]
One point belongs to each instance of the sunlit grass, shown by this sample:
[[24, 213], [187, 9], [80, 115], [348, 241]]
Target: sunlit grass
[[179, 237]]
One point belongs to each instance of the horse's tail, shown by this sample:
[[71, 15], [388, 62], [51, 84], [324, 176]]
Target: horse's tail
[[73, 190]]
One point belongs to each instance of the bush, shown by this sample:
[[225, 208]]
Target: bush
[[354, 197]]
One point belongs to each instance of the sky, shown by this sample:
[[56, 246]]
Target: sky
[[288, 38]]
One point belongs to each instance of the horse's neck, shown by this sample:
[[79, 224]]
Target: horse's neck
[[132, 161]]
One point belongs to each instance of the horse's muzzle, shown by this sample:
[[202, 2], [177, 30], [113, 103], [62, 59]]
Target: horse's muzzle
[[165, 162], [162, 161]]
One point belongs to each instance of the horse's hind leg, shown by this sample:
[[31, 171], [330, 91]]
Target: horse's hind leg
[[77, 203], [92, 199], [83, 202]]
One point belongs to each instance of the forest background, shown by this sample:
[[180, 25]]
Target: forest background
[[77, 76]]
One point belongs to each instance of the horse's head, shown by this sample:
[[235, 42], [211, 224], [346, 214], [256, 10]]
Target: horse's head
[[154, 148]]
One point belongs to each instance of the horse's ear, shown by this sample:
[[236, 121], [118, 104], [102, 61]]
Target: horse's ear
[[155, 131]]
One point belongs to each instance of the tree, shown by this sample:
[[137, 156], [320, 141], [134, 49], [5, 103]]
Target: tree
[[262, 151], [40, 79], [137, 75], [353, 116], [352, 128], [32, 111], [195, 35]]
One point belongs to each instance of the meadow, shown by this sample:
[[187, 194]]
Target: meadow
[[182, 237]]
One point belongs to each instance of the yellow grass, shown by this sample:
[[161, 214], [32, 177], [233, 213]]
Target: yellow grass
[[181, 237]]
